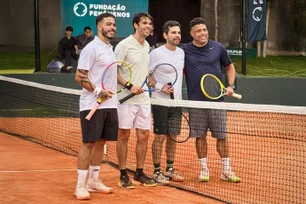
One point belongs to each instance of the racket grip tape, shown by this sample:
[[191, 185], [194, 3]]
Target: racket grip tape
[[171, 94], [93, 110], [126, 98], [238, 96]]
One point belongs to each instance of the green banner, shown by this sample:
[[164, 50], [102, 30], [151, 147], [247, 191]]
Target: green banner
[[79, 14], [237, 52]]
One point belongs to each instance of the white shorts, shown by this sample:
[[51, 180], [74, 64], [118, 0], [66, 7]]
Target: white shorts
[[138, 116]]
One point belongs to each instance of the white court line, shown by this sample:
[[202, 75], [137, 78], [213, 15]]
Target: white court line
[[37, 170]]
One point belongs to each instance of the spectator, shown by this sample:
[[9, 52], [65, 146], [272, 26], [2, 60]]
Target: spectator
[[67, 49], [84, 39]]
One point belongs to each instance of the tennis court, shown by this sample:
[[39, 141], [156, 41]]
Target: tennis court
[[30, 173], [267, 149]]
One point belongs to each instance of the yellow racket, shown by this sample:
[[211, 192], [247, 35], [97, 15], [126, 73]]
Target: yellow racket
[[213, 88]]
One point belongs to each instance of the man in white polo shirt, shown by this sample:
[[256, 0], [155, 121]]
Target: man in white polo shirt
[[135, 112], [168, 53], [103, 125]]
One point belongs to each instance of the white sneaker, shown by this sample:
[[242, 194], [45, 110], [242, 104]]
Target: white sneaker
[[160, 179], [97, 186], [204, 175], [81, 192], [229, 175]]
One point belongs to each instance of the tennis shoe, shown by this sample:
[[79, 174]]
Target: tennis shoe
[[81, 192], [204, 175], [229, 175], [97, 186], [144, 180], [125, 182], [160, 179], [173, 175]]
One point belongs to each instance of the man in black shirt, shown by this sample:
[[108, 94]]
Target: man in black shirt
[[67, 48]]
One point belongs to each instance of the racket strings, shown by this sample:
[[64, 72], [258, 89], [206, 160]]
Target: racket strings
[[164, 74], [212, 87], [109, 79]]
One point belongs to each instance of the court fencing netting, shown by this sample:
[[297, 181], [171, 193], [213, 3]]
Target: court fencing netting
[[267, 142]]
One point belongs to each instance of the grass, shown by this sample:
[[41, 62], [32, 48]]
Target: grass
[[14, 63], [286, 66], [283, 66]]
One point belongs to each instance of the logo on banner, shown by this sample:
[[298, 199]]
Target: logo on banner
[[80, 6], [257, 14]]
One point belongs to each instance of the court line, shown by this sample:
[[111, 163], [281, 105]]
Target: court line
[[36, 170]]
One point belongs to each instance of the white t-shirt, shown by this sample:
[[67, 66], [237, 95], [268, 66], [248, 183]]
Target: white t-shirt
[[174, 57], [95, 57], [137, 56]]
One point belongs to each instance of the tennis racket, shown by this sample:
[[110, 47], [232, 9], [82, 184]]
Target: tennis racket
[[213, 88], [109, 81], [180, 123], [163, 73]]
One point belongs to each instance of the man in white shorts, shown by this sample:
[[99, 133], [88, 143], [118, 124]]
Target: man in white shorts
[[168, 53], [135, 112], [103, 126]]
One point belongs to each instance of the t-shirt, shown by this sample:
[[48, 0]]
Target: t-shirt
[[95, 57], [208, 59], [137, 56], [68, 44], [82, 40], [175, 58]]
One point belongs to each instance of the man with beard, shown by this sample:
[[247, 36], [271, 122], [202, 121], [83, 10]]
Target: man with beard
[[168, 53], [135, 112], [204, 56], [103, 126]]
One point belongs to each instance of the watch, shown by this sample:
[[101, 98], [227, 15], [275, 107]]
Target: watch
[[232, 85]]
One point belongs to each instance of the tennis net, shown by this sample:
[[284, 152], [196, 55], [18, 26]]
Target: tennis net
[[267, 143]]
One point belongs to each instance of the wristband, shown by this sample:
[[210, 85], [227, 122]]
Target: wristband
[[97, 91], [128, 85], [158, 86]]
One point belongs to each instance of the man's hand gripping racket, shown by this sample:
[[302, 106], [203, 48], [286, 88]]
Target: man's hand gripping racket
[[164, 74], [213, 88], [109, 83]]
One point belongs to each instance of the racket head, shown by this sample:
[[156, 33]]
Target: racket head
[[109, 76], [178, 125], [212, 87], [164, 73]]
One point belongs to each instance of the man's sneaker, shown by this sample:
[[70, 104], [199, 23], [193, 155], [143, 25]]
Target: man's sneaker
[[204, 175], [229, 175], [144, 180], [125, 182], [160, 179], [81, 192], [173, 176], [97, 186]]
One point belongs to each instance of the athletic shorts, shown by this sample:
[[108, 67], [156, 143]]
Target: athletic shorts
[[138, 116], [103, 124], [167, 120], [203, 119]]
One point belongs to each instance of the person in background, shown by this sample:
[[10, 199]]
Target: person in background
[[84, 39], [68, 49]]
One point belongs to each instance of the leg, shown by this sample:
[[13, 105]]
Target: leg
[[141, 147], [122, 147], [157, 146], [83, 160], [68, 57]]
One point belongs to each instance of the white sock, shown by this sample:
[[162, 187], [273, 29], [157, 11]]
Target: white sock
[[226, 163], [94, 172], [82, 174], [203, 163]]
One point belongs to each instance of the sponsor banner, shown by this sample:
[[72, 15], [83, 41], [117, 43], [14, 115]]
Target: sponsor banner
[[257, 20], [79, 14]]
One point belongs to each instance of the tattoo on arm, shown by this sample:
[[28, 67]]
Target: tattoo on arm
[[84, 79]]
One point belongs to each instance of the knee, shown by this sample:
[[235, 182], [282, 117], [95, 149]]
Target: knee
[[88, 146], [124, 135], [143, 137], [159, 139]]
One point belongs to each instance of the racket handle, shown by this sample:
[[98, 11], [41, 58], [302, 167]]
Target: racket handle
[[238, 96], [93, 110], [126, 98], [171, 94]]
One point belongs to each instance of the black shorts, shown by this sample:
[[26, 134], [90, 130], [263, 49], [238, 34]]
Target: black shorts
[[103, 124], [202, 119], [167, 120]]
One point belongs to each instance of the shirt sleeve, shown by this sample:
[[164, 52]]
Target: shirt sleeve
[[153, 60], [225, 59], [87, 58], [120, 52]]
